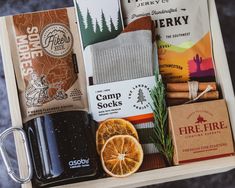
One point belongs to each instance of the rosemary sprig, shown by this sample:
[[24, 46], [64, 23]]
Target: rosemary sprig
[[161, 138]]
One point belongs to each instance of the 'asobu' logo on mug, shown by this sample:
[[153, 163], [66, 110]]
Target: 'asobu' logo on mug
[[79, 163]]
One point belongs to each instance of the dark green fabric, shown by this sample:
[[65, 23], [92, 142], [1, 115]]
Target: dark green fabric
[[146, 135]]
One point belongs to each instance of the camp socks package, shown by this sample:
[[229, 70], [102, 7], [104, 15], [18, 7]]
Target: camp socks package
[[128, 56]]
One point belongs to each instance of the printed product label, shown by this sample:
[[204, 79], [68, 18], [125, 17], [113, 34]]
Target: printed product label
[[81, 163], [57, 40], [45, 64], [183, 36], [200, 131], [122, 99]]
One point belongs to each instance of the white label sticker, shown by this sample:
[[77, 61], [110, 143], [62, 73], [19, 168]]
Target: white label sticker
[[121, 99]]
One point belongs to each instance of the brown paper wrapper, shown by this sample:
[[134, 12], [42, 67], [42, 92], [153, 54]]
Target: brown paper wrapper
[[185, 95], [183, 87], [200, 131]]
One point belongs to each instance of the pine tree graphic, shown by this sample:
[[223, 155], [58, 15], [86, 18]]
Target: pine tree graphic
[[141, 98], [90, 26], [101, 32], [81, 19], [105, 28], [113, 29], [119, 23], [97, 26], [82, 25]]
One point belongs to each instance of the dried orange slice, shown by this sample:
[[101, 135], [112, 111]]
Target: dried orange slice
[[121, 156], [112, 127]]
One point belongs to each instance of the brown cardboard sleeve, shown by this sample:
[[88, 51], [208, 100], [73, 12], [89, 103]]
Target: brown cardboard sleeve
[[200, 131]]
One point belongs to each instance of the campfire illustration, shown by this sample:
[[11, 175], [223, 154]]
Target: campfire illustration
[[37, 92], [200, 119]]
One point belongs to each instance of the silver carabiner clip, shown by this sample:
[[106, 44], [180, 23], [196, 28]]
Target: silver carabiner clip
[[6, 159]]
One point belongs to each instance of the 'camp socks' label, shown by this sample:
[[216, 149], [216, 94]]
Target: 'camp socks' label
[[183, 36], [126, 99]]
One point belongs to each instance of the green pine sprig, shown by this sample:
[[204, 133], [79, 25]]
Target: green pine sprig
[[161, 138]]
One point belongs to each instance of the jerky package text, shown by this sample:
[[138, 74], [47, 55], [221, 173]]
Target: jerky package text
[[183, 36]]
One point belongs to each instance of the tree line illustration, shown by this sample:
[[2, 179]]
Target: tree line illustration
[[91, 35]]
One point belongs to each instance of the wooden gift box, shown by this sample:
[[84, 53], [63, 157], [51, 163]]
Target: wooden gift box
[[154, 176]]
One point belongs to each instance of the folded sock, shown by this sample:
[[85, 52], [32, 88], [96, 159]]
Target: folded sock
[[128, 56]]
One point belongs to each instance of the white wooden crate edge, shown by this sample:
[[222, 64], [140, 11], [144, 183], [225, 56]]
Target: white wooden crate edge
[[154, 176]]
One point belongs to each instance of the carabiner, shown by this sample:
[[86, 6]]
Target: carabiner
[[6, 159]]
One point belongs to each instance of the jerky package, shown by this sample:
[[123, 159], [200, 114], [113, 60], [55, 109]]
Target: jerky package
[[183, 36]]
